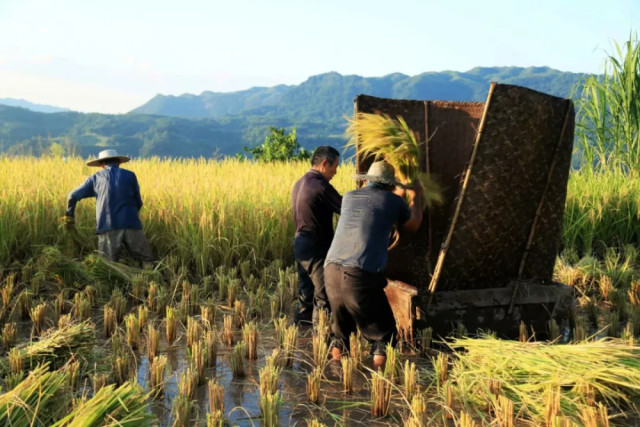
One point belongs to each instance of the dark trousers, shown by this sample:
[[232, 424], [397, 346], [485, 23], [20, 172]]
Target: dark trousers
[[310, 258], [358, 300], [110, 244]]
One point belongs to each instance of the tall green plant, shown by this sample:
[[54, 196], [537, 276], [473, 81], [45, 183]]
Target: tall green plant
[[609, 113]]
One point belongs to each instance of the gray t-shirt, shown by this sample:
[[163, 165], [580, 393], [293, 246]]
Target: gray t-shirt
[[366, 220]]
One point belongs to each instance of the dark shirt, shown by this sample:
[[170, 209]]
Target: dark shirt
[[117, 196], [366, 220], [314, 201]]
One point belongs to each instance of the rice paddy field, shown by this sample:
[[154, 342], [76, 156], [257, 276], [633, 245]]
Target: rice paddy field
[[206, 338]]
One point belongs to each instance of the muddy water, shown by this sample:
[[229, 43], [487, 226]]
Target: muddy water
[[242, 396]]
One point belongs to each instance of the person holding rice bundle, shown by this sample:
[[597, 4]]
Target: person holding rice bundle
[[354, 267], [314, 201], [118, 201]]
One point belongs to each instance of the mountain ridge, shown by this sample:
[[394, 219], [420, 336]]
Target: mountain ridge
[[217, 123]]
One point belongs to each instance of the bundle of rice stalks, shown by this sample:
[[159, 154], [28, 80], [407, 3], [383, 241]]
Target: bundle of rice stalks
[[384, 138], [609, 368], [113, 273], [124, 406], [34, 401], [57, 345], [57, 267]]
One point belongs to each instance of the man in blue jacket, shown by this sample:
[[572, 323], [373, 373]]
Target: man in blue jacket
[[118, 201]]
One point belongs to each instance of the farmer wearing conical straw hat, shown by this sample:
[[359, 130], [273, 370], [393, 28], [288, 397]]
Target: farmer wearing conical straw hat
[[354, 268], [118, 201], [314, 201]]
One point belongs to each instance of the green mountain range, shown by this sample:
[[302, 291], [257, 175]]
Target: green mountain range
[[214, 123]]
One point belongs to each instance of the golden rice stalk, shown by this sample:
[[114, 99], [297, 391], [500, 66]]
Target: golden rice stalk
[[320, 349], [72, 369], [9, 334], [188, 382], [269, 374], [133, 330], [410, 380], [182, 407], [322, 327], [156, 373], [215, 419], [552, 403], [171, 325], [392, 365], [504, 411], [38, 316], [208, 315], [151, 297], [64, 321], [98, 381], [227, 331], [239, 313], [419, 416], [198, 359], [289, 344], [7, 292], [347, 374], [211, 339], [270, 409], [466, 420], [380, 395], [392, 140], [441, 368], [193, 331], [236, 360], [313, 384], [216, 396], [110, 323], [250, 336], [25, 301], [524, 334], [16, 363], [143, 315], [355, 348], [153, 341]]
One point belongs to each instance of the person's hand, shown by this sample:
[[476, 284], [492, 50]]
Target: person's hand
[[415, 190]]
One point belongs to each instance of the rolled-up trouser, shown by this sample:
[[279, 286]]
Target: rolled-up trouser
[[110, 244], [357, 299], [310, 258]]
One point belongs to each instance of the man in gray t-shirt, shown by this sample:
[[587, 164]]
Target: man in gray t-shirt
[[354, 267]]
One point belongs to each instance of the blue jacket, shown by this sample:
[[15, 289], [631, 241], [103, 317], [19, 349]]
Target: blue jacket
[[117, 196]]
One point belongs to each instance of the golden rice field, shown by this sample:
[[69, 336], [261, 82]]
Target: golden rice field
[[205, 338]]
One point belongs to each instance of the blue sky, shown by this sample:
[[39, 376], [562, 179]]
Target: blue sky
[[113, 55]]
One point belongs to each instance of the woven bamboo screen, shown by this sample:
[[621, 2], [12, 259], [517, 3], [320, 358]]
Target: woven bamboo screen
[[505, 224]]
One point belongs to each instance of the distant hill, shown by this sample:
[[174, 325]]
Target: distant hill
[[41, 108], [330, 95], [221, 123]]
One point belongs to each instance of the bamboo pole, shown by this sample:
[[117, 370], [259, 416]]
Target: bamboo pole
[[445, 246]]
